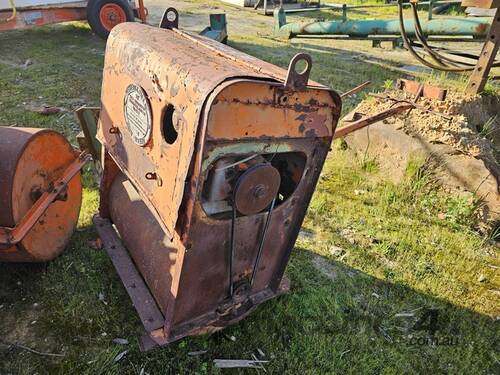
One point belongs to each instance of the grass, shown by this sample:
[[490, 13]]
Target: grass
[[372, 259]]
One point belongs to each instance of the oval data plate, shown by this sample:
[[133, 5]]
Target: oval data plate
[[137, 114]]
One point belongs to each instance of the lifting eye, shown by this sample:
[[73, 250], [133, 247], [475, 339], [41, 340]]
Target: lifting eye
[[170, 124], [301, 66]]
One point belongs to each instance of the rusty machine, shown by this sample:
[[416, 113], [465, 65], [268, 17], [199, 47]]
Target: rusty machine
[[210, 159], [40, 193], [102, 15]]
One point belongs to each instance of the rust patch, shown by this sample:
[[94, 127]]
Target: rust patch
[[482, 28]]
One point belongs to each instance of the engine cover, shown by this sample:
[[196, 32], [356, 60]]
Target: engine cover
[[210, 160]]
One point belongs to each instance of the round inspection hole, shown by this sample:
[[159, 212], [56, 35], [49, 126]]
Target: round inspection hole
[[170, 124], [301, 66]]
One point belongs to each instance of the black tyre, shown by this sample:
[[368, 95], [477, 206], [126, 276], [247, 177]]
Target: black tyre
[[103, 15]]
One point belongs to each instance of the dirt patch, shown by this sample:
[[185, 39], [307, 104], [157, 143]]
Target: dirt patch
[[472, 125], [16, 328], [325, 267], [462, 144]]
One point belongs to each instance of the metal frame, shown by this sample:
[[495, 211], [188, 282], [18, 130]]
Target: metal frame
[[49, 14], [26, 18], [479, 76]]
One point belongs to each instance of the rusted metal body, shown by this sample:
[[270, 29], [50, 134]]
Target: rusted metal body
[[27, 18], [425, 90], [40, 193], [32, 13], [210, 160]]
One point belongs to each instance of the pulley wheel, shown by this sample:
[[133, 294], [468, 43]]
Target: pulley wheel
[[256, 188]]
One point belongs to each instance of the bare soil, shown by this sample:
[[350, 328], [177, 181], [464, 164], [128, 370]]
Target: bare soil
[[471, 125]]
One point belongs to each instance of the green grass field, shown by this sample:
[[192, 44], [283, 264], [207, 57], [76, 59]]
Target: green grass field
[[376, 268]]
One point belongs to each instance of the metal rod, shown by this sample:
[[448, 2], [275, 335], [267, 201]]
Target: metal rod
[[343, 131], [339, 6], [479, 76], [345, 7], [408, 44], [356, 89], [476, 27]]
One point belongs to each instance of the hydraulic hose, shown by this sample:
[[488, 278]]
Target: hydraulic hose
[[410, 49], [440, 59], [435, 55], [14, 11], [421, 38]]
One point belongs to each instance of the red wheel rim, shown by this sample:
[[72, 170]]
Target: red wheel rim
[[111, 15]]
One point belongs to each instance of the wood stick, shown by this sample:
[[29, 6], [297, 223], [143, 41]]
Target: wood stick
[[355, 89], [31, 350]]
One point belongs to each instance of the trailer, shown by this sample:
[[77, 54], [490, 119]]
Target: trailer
[[102, 15]]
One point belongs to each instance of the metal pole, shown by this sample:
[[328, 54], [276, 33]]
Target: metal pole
[[476, 26], [479, 76]]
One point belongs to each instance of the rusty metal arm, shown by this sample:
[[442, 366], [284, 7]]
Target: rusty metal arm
[[88, 118], [11, 236], [343, 131], [479, 76], [142, 11], [355, 90]]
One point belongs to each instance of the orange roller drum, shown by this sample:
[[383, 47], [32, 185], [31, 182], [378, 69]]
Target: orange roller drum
[[40, 193]]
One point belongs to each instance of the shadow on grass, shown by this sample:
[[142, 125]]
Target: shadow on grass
[[338, 68], [334, 320]]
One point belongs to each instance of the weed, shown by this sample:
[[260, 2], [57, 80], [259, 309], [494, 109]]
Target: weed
[[462, 210], [494, 234], [490, 89], [388, 84], [488, 127], [369, 165]]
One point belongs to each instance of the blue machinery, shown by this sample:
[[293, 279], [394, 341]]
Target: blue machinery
[[217, 29], [485, 28], [476, 27]]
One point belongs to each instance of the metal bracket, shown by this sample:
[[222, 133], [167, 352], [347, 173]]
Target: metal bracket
[[170, 19], [297, 80], [88, 117], [151, 317], [479, 76]]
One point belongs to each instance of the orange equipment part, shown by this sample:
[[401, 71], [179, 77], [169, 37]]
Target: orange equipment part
[[111, 15], [102, 15], [39, 179], [38, 17]]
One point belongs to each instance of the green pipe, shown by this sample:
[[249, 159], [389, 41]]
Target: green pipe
[[471, 26]]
